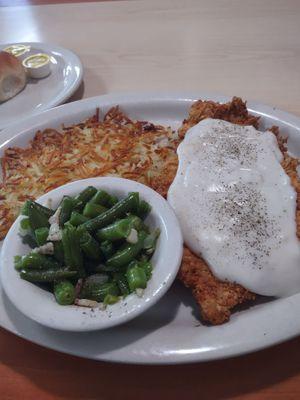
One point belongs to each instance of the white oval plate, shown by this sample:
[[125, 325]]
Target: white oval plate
[[170, 331], [42, 94], [40, 305]]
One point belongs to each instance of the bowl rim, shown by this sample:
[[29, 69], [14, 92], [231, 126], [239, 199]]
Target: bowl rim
[[172, 251]]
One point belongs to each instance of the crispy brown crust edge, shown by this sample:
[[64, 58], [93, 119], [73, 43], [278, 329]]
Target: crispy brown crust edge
[[217, 299]]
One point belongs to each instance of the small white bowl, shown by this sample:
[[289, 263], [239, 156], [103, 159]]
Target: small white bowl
[[41, 306]]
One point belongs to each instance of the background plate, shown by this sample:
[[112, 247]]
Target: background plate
[[169, 332], [42, 94]]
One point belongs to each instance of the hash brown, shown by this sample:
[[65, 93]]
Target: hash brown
[[116, 146]]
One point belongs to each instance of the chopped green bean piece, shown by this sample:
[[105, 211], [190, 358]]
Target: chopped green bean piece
[[117, 211], [150, 241], [136, 278], [72, 251], [147, 267], [41, 235], [18, 263], [143, 209], [92, 210], [59, 251], [25, 208], [96, 279], [67, 206], [77, 218], [107, 249], [64, 292], [42, 209], [128, 253], [101, 197], [37, 219], [89, 245], [110, 299], [48, 275], [121, 281], [82, 198], [115, 231], [38, 261], [25, 224], [98, 293], [112, 200], [120, 229]]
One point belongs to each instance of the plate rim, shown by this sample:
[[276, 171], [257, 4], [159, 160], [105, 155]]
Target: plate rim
[[60, 99], [124, 98]]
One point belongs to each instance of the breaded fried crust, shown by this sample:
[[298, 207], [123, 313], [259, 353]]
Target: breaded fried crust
[[234, 111], [215, 298]]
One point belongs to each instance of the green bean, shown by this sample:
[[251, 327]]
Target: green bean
[[41, 235], [92, 210], [89, 245], [107, 249], [101, 197], [67, 206], [110, 299], [42, 209], [128, 253], [36, 218], [76, 251], [37, 261], [112, 200], [45, 210], [150, 241], [136, 278], [18, 263], [64, 292], [72, 252], [147, 267], [115, 231], [144, 264], [25, 208], [48, 275], [82, 198], [119, 229], [99, 292], [94, 281], [137, 223], [117, 211], [122, 283], [143, 209], [25, 224], [77, 218], [59, 251]]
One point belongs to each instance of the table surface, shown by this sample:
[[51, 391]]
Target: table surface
[[250, 49]]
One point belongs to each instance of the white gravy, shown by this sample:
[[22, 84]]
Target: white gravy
[[237, 207]]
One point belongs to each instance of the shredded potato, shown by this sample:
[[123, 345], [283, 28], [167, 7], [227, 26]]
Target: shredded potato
[[116, 146]]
